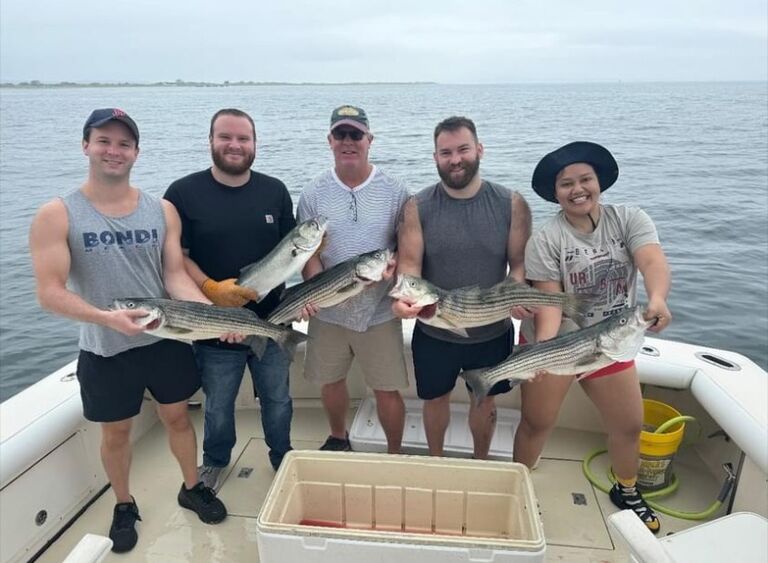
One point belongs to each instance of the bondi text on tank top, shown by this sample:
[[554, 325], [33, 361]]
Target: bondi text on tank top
[[114, 257]]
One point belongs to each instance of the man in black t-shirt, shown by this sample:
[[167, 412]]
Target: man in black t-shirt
[[233, 216]]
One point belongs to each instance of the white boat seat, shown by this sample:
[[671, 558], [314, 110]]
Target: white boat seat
[[732, 388], [738, 402], [741, 536], [91, 548], [34, 422]]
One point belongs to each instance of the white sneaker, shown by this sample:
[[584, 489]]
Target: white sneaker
[[210, 476]]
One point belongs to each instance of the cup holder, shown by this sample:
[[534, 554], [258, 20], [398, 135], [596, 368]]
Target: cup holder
[[717, 361]]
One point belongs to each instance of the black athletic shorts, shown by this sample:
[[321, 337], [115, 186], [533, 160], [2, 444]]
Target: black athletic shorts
[[112, 388], [437, 363]]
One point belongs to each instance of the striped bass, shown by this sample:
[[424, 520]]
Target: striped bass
[[190, 320], [616, 339], [333, 286], [466, 307], [286, 259]]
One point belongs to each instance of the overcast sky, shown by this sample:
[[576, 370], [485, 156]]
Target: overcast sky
[[480, 41]]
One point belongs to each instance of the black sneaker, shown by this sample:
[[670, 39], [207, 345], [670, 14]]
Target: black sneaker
[[202, 500], [123, 530], [276, 458], [630, 498], [333, 444]]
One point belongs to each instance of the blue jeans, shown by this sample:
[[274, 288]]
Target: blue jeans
[[221, 371]]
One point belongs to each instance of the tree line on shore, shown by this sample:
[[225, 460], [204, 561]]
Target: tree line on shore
[[175, 83]]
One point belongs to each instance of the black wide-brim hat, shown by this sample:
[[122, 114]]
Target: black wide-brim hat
[[543, 181]]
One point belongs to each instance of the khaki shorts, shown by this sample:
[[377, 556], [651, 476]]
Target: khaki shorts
[[379, 353]]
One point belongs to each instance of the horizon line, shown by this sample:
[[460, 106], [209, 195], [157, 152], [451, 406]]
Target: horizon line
[[230, 83]]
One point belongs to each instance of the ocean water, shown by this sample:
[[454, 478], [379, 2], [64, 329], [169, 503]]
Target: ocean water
[[693, 155]]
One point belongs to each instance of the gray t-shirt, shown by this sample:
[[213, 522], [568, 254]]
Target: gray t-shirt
[[114, 257], [465, 243], [598, 263], [359, 220]]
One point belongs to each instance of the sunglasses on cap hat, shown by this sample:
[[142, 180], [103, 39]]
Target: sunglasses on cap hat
[[340, 134]]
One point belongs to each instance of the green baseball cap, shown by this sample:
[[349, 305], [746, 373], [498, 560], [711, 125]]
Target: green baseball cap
[[350, 115]]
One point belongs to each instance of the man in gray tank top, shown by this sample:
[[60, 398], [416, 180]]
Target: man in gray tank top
[[110, 240], [461, 231]]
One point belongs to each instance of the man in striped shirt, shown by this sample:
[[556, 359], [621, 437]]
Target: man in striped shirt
[[362, 204]]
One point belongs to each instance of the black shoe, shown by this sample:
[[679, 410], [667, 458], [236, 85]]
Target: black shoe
[[275, 459], [202, 500], [630, 498], [123, 530], [333, 444]]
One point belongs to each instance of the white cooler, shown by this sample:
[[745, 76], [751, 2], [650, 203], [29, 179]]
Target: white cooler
[[351, 507]]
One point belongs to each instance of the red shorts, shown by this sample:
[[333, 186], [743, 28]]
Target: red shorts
[[615, 367]]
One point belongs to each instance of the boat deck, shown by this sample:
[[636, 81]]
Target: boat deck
[[575, 531]]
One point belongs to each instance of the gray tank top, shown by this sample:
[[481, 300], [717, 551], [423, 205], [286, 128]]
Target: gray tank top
[[114, 257], [465, 243]]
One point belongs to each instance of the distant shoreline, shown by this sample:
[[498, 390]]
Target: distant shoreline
[[38, 84], [188, 84]]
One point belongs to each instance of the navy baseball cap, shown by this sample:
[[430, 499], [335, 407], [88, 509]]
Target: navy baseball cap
[[99, 117]]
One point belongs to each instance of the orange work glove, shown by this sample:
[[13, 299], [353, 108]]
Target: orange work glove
[[227, 293]]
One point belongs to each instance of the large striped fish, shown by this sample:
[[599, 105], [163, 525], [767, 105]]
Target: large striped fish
[[286, 259], [333, 286], [190, 320], [466, 307], [616, 339]]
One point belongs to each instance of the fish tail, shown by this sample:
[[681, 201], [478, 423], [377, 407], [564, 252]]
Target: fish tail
[[289, 339], [480, 385]]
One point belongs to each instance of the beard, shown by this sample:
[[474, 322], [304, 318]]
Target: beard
[[470, 171], [221, 163]]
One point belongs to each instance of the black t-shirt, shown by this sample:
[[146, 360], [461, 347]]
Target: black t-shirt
[[226, 228]]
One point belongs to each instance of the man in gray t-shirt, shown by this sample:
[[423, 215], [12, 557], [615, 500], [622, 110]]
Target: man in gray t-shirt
[[461, 231]]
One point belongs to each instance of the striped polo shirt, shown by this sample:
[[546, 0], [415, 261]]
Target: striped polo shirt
[[360, 219]]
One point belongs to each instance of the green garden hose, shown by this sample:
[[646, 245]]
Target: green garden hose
[[672, 487]]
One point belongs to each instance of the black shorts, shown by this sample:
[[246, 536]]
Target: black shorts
[[112, 388], [437, 363]]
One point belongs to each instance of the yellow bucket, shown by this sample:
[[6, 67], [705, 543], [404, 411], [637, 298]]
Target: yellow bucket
[[657, 450]]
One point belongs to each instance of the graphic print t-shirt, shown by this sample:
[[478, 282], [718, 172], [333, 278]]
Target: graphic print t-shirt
[[598, 263]]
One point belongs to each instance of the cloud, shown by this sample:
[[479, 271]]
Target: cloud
[[445, 41]]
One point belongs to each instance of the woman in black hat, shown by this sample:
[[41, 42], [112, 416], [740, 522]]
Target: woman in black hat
[[592, 248]]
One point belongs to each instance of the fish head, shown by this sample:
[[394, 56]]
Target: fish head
[[371, 266], [625, 334], [414, 291], [154, 318], [309, 234]]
